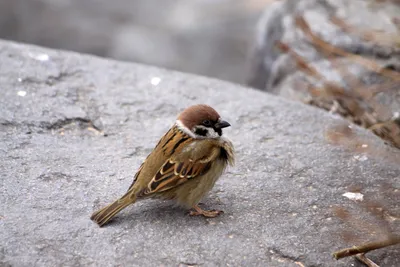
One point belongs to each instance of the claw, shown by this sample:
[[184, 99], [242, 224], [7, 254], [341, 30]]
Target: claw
[[206, 213]]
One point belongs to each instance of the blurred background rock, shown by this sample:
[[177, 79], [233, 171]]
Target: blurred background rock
[[207, 37], [341, 56]]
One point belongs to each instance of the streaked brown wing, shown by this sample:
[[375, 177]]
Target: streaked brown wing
[[188, 159], [162, 143], [174, 173]]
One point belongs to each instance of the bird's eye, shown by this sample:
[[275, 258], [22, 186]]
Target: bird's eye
[[206, 123]]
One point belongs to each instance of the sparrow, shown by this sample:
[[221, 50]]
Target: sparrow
[[184, 165]]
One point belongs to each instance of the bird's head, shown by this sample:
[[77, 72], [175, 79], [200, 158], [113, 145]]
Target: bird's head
[[201, 121]]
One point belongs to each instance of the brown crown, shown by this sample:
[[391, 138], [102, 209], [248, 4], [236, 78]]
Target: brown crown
[[196, 114]]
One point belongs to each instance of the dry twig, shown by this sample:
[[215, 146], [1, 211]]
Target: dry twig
[[331, 49], [390, 241], [366, 261]]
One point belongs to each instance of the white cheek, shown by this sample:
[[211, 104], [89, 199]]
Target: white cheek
[[184, 129], [212, 133]]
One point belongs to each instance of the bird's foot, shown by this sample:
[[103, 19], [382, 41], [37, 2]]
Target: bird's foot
[[206, 213]]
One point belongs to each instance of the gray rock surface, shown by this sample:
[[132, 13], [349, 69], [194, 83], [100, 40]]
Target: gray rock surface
[[75, 128]]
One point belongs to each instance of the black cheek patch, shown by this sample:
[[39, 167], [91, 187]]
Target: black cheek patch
[[200, 131]]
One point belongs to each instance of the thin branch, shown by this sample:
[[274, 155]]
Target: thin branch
[[366, 261], [334, 89], [392, 240], [325, 46], [383, 38]]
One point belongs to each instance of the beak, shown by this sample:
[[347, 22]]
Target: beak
[[222, 124]]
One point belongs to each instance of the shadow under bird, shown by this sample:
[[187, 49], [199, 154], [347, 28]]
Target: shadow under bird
[[184, 165]]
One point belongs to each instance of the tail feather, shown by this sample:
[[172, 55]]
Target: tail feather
[[105, 214]]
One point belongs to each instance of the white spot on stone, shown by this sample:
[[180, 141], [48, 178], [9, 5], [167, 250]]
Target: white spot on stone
[[21, 93], [155, 81], [39, 57], [354, 196], [361, 157], [19, 80], [364, 145]]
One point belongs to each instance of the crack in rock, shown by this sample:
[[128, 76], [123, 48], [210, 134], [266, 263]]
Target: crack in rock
[[82, 123], [51, 80], [281, 255], [47, 177], [61, 123]]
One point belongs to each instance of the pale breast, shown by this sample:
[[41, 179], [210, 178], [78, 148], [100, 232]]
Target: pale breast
[[191, 192]]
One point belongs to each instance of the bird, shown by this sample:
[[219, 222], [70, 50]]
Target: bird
[[183, 167]]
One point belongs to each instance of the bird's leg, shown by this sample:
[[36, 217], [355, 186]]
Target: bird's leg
[[206, 213]]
